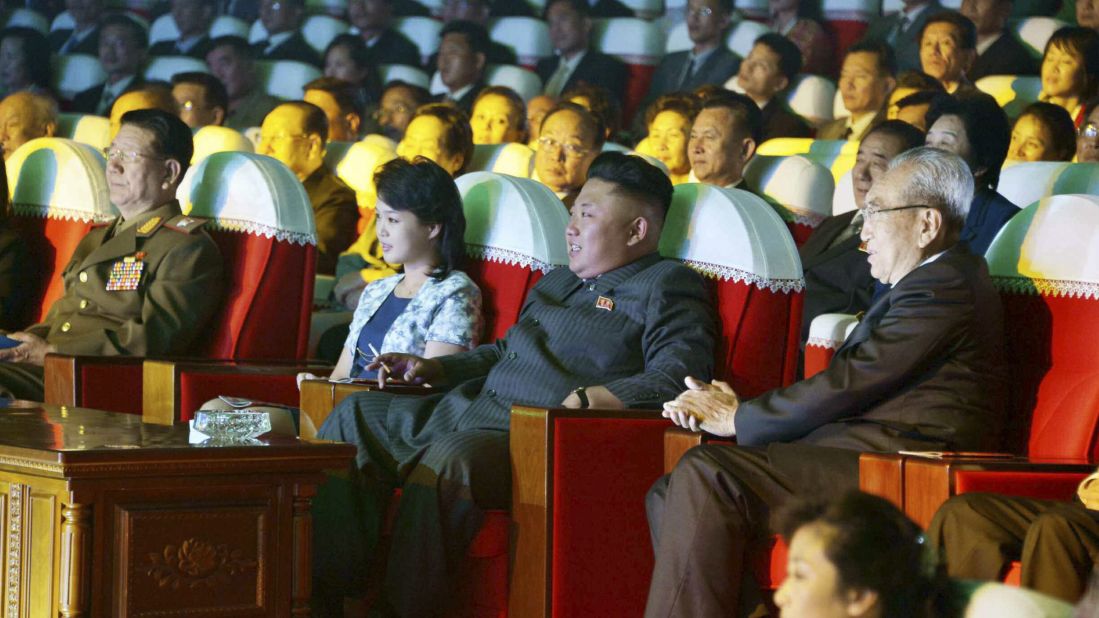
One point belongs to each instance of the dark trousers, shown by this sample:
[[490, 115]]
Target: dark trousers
[[22, 381], [447, 478], [715, 507], [1057, 542]]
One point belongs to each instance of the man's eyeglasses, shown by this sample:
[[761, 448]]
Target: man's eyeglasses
[[382, 112], [275, 138], [1089, 131], [114, 154], [703, 12], [870, 212], [571, 150]]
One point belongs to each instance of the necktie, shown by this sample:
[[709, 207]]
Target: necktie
[[847, 133], [853, 229], [901, 27], [69, 44], [687, 72], [556, 81], [105, 101]]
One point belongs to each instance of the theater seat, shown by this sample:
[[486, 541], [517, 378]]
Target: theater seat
[[95, 131], [27, 18], [678, 39], [528, 37], [405, 73], [800, 189], [423, 31], [163, 28], [580, 476], [843, 199], [836, 154], [319, 30], [848, 21], [523, 81], [1077, 178], [1027, 182], [742, 36], [262, 221], [811, 97], [58, 190], [1034, 32], [211, 139], [511, 159], [827, 332], [1012, 92], [638, 43], [164, 67], [645, 9], [285, 79], [73, 73], [227, 25]]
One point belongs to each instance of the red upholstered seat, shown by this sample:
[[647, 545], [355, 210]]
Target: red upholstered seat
[[827, 332], [58, 190], [638, 43], [799, 189], [848, 21]]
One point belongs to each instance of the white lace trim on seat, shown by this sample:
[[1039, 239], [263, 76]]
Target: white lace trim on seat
[[259, 229], [507, 256], [725, 273], [823, 342], [1048, 287], [53, 212], [803, 217]]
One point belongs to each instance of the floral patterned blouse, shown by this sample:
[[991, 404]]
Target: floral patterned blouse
[[445, 310]]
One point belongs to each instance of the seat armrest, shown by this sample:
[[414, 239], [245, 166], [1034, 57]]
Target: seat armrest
[[92, 381], [882, 474], [677, 441], [320, 397], [827, 332]]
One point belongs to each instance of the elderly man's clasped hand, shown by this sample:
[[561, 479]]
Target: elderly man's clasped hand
[[704, 407]]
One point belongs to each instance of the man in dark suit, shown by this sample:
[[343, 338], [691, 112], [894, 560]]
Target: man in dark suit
[[724, 138], [374, 21], [463, 49], [901, 30], [84, 38], [193, 19], [866, 79], [923, 370], [764, 76], [708, 62], [616, 329], [478, 12], [122, 45], [948, 47], [575, 63], [998, 51], [231, 60], [837, 275], [282, 19]]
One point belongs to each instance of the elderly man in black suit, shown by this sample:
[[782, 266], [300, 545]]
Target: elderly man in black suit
[[923, 370], [998, 51], [616, 329], [709, 61], [282, 19], [901, 31], [575, 63], [837, 275]]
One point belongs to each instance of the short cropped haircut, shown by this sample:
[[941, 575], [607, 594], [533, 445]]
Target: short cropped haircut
[[342, 92], [636, 178], [580, 6], [36, 54], [909, 136], [986, 126], [744, 111], [921, 97], [589, 121], [887, 60], [458, 136], [419, 94], [789, 56], [239, 45], [515, 102], [920, 81], [171, 137], [603, 104], [1060, 126], [683, 104], [216, 95], [314, 123], [967, 31], [141, 38], [360, 55], [940, 179], [475, 34], [426, 190]]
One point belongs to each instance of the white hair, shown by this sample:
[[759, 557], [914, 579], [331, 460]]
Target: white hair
[[941, 179]]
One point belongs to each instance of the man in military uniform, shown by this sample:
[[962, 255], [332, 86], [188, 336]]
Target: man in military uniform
[[143, 284]]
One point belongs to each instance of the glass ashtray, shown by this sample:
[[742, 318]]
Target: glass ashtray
[[232, 425]]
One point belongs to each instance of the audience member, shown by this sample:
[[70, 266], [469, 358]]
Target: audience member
[[537, 108], [610, 8], [103, 315], [201, 98], [1070, 70], [122, 44], [1043, 132], [282, 20], [913, 108], [372, 20], [83, 38], [230, 60], [1087, 139], [935, 342], [193, 19], [449, 452], [348, 58], [1087, 14], [477, 12], [151, 95], [23, 117], [669, 122], [25, 62], [948, 46], [709, 61], [837, 273], [858, 555], [866, 80], [499, 117], [980, 534], [336, 98], [598, 101], [18, 274], [974, 127], [399, 103], [801, 23], [439, 132], [724, 137], [998, 51], [764, 75], [463, 48], [575, 62], [570, 139], [296, 133], [902, 30]]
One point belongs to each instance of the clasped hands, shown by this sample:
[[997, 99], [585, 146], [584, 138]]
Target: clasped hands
[[32, 350], [704, 407]]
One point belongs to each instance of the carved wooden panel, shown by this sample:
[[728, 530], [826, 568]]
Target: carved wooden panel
[[208, 561]]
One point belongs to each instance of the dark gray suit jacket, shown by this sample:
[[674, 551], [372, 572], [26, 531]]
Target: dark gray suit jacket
[[594, 68], [1007, 56], [837, 279], [924, 369], [717, 69], [907, 44]]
